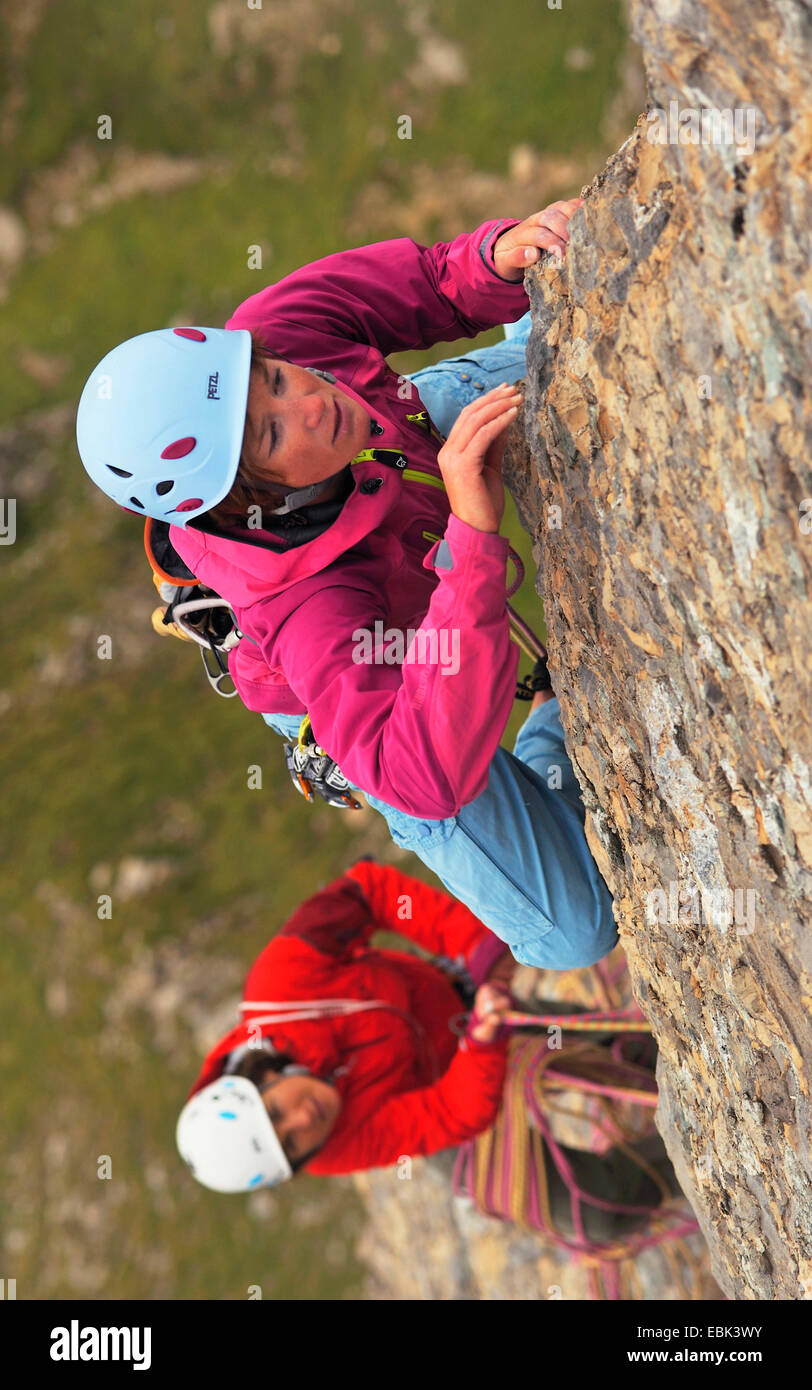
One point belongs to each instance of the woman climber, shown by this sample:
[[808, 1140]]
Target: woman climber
[[307, 484], [350, 1057]]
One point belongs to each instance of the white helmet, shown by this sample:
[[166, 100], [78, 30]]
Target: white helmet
[[225, 1135]]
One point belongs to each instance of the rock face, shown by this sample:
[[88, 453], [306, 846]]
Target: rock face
[[670, 499]]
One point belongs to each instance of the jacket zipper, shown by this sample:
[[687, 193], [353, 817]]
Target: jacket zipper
[[414, 475]]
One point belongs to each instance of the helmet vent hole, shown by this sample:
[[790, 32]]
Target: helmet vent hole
[[119, 472], [137, 503], [163, 488], [180, 448]]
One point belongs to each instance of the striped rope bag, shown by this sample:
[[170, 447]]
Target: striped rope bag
[[519, 1171]]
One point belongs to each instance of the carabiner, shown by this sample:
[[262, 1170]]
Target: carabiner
[[215, 677]]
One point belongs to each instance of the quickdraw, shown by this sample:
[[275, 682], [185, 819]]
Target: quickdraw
[[191, 610]]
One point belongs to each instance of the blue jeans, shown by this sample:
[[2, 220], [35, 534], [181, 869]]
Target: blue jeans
[[517, 855], [447, 386]]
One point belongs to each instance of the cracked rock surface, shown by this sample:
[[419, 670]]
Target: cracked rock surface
[[669, 495]]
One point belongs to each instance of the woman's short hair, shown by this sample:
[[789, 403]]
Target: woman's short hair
[[257, 1062]]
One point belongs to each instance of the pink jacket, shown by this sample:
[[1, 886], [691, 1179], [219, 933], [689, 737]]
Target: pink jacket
[[418, 736]]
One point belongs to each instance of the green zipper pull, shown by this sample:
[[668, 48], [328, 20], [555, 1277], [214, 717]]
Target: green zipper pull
[[421, 418], [393, 458]]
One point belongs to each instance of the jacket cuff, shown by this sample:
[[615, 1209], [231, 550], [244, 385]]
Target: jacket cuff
[[469, 1044], [459, 540], [483, 956], [488, 243]]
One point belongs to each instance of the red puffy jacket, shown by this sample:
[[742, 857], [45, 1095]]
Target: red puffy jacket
[[408, 1083]]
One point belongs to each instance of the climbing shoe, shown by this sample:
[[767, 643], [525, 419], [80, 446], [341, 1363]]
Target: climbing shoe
[[538, 679]]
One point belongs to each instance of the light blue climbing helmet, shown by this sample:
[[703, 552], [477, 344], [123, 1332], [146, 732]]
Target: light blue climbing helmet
[[161, 420]]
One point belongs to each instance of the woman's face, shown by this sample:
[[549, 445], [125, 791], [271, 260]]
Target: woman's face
[[302, 1110], [298, 428]]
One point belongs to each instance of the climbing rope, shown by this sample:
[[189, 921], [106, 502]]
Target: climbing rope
[[509, 1170], [607, 1021]]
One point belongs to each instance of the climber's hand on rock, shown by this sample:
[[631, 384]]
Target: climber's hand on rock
[[491, 1003], [471, 458], [547, 230]]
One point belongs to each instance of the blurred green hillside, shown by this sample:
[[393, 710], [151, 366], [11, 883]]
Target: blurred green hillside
[[231, 128]]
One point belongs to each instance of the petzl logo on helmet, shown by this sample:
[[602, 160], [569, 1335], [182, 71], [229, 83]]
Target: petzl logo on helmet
[[214, 387]]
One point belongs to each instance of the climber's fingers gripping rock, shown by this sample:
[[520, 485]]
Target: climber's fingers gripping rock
[[471, 458], [491, 1003], [543, 231]]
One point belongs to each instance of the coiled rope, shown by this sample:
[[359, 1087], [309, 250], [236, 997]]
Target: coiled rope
[[507, 1172]]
